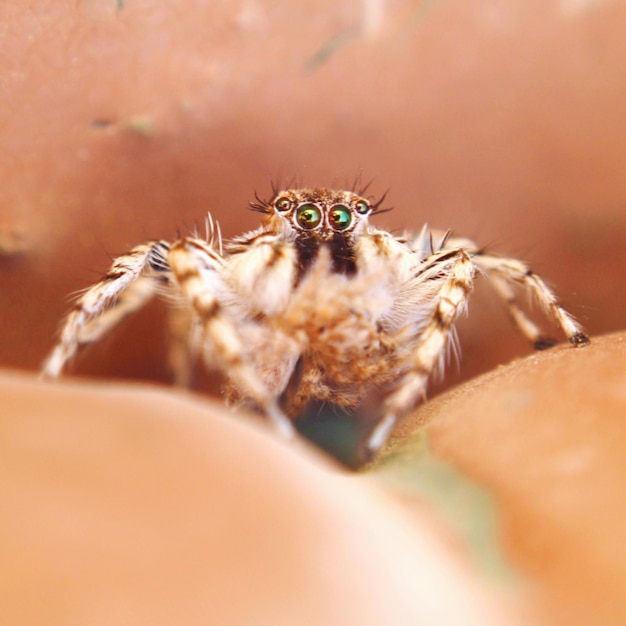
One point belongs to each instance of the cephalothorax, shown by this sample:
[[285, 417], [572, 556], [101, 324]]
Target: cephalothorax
[[316, 304]]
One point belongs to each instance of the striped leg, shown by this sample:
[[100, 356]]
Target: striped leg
[[126, 287], [450, 303], [182, 345], [196, 267], [504, 273]]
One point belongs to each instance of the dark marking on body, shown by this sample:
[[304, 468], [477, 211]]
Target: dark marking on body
[[278, 253], [440, 320], [446, 257], [307, 249], [341, 255], [158, 257], [114, 274], [543, 343]]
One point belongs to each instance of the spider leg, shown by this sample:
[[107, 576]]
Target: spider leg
[[196, 267], [181, 349], [126, 287], [503, 274], [456, 281]]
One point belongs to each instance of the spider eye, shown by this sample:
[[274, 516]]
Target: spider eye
[[308, 216], [362, 207], [340, 217], [283, 204]]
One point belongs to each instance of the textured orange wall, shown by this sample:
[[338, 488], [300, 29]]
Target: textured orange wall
[[122, 121]]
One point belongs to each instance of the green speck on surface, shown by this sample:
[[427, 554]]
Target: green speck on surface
[[102, 122], [327, 49], [413, 469], [141, 125]]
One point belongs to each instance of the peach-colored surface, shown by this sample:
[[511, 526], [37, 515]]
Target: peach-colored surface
[[547, 436], [131, 505], [122, 120]]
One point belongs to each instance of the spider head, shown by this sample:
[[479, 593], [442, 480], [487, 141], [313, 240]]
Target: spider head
[[320, 213]]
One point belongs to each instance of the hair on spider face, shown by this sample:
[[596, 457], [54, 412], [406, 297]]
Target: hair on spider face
[[375, 206], [358, 187], [260, 205]]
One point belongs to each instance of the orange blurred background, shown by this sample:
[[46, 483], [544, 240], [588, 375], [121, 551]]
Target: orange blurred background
[[123, 121]]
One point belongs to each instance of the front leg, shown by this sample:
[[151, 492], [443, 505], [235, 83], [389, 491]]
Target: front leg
[[199, 271], [455, 274]]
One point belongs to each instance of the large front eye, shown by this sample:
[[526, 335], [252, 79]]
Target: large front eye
[[308, 216], [340, 217]]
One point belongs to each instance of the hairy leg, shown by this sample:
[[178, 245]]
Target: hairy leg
[[455, 287], [504, 273], [127, 286], [196, 267]]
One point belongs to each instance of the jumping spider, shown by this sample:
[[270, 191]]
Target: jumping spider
[[316, 304]]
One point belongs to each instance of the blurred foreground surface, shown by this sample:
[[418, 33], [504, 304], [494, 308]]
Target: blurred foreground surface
[[133, 505], [546, 437]]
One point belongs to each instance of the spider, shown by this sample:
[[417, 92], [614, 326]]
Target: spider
[[316, 304]]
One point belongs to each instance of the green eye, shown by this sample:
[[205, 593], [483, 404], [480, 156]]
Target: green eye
[[283, 204], [308, 216], [340, 217], [362, 207]]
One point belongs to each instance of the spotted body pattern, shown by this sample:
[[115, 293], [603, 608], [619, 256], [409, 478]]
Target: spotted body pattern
[[316, 304]]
